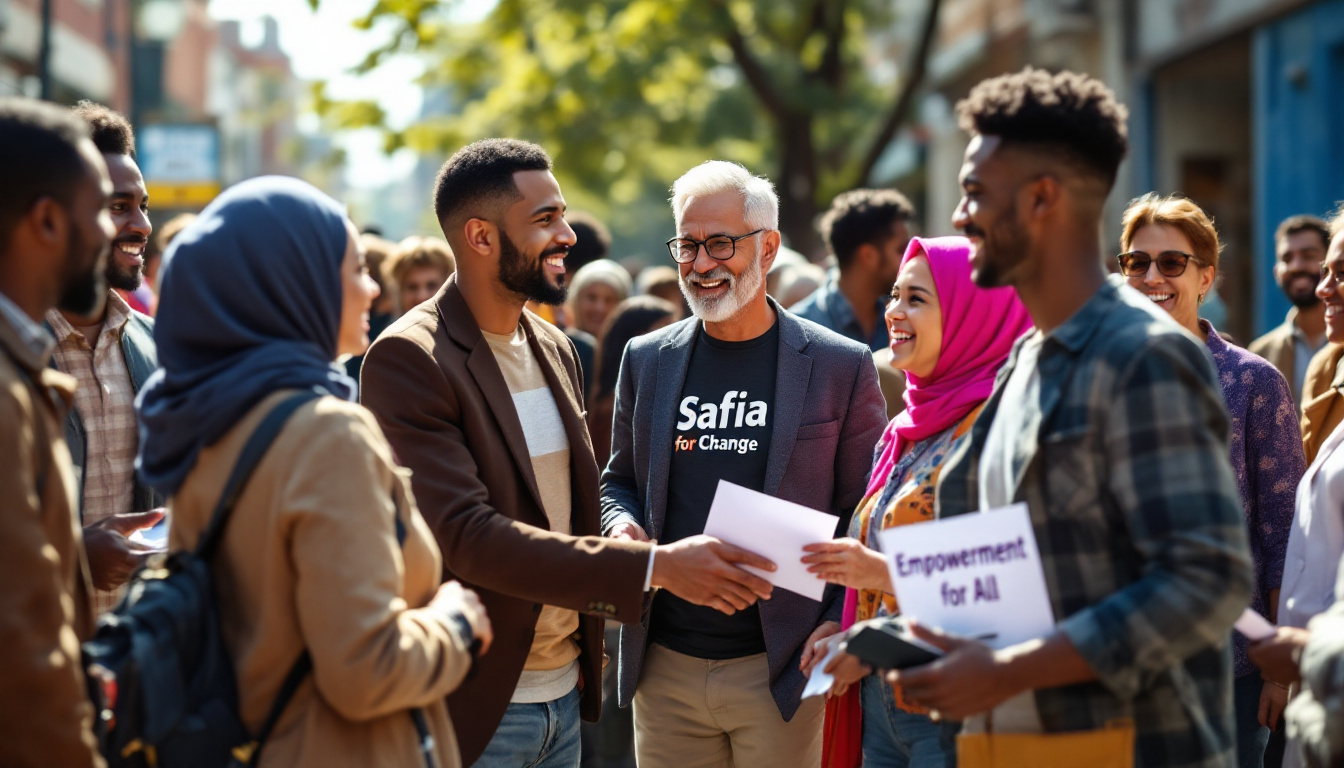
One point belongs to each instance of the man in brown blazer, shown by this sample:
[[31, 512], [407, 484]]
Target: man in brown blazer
[[54, 237], [1299, 249], [482, 400]]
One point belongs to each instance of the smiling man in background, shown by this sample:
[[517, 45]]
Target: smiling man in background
[[1299, 249], [110, 354]]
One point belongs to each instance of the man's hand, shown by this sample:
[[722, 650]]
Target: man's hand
[[628, 531], [452, 598], [113, 559], [812, 655], [703, 570], [848, 562], [1278, 655], [969, 679], [1273, 698]]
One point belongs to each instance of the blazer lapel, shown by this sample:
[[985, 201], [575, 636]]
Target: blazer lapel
[[583, 465], [794, 373], [674, 360], [461, 326]]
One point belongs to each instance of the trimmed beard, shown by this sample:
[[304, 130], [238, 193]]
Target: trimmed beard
[[527, 280], [85, 291], [1000, 255], [741, 290], [125, 279]]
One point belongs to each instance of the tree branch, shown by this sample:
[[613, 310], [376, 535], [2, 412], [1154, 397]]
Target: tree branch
[[752, 70], [831, 69], [909, 87]]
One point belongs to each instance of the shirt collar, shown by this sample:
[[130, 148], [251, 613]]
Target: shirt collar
[[32, 335], [1075, 331], [118, 313]]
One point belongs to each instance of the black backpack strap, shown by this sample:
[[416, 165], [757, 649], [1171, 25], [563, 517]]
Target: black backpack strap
[[293, 680], [247, 462]]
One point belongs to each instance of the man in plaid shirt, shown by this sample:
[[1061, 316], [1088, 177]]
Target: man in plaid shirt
[[1109, 423]]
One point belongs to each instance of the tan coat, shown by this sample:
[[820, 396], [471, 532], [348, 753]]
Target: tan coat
[[310, 560], [45, 714], [1322, 398], [439, 395], [1278, 347]]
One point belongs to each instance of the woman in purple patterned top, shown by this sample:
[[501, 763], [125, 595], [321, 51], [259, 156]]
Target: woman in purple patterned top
[[1161, 237]]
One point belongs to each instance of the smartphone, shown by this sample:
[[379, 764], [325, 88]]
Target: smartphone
[[884, 646]]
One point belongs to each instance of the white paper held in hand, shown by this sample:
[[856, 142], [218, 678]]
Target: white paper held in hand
[[774, 529], [1254, 626], [976, 575], [818, 683]]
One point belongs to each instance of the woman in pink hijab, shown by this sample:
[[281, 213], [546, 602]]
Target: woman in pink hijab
[[950, 337]]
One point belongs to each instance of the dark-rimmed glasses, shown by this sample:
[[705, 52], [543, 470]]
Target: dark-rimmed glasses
[[1169, 263], [719, 247]]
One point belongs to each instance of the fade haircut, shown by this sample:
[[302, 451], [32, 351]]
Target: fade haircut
[[1067, 115], [1303, 223], [760, 204], [40, 156], [112, 132], [862, 217], [479, 176]]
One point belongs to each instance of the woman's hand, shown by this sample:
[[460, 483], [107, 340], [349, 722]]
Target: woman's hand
[[1278, 655], [846, 561], [1273, 698], [453, 598], [812, 654], [847, 670]]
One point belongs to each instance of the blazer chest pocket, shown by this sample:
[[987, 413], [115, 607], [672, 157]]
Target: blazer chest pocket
[[818, 431]]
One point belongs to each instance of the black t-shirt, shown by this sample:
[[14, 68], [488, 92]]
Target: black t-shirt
[[722, 432]]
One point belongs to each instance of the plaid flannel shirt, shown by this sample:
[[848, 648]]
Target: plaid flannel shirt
[[1138, 522]]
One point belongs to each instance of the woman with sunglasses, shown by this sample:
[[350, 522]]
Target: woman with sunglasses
[[1170, 254], [325, 551], [937, 320]]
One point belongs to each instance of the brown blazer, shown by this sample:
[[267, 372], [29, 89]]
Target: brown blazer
[[1278, 348], [45, 714], [1322, 398], [310, 560], [432, 381]]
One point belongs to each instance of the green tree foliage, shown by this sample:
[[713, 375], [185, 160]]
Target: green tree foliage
[[628, 94]]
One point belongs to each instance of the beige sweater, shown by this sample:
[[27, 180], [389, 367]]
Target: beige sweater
[[310, 560]]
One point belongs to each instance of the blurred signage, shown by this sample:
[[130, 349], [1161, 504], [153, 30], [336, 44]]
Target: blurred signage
[[180, 163]]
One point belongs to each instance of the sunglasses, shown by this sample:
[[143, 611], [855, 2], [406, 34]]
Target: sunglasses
[[1169, 263]]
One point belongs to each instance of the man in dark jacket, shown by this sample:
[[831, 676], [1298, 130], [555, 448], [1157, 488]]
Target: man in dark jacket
[[110, 354]]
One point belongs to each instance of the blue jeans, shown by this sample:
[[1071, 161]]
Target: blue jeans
[[536, 736], [1251, 735], [894, 738]]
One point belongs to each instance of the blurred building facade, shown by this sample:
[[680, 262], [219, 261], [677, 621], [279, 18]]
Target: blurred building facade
[[184, 78], [1238, 104]]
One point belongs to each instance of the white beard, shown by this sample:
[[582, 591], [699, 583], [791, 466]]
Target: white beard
[[741, 290]]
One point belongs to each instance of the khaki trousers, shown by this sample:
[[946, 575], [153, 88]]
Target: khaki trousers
[[700, 713]]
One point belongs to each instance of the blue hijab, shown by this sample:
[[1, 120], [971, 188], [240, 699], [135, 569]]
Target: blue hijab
[[250, 304]]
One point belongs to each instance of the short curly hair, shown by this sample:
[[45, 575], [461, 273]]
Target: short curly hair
[[482, 173], [1066, 112], [862, 217], [112, 132]]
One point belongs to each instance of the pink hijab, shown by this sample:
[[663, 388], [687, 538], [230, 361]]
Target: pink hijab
[[979, 328]]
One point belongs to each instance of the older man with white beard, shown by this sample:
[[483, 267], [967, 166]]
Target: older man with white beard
[[744, 392]]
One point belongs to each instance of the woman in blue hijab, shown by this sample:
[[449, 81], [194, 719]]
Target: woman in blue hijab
[[325, 550]]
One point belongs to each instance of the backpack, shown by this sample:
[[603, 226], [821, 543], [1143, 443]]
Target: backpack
[[171, 696]]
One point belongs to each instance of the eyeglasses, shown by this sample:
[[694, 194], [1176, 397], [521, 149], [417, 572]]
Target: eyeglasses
[[1169, 263], [719, 247]]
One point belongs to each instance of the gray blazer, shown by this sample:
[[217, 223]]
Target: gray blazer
[[829, 414]]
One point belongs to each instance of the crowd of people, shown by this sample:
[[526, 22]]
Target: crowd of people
[[509, 445]]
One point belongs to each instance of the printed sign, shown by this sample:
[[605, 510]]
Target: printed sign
[[972, 575]]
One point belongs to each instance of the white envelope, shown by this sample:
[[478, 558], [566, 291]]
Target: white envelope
[[774, 529]]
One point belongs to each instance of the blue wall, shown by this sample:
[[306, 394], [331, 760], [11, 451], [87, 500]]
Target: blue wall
[[1298, 131]]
